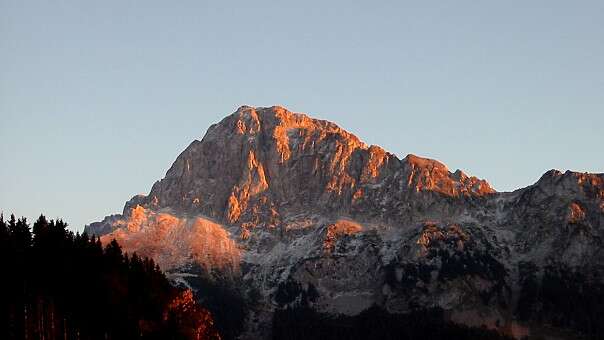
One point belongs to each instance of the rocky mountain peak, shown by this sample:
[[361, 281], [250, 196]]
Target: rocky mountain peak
[[279, 199], [591, 185], [258, 162]]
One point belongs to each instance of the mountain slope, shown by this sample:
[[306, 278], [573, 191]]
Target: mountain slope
[[292, 205]]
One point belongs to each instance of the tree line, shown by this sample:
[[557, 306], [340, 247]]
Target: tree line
[[60, 285]]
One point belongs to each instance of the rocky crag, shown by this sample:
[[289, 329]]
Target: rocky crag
[[297, 208]]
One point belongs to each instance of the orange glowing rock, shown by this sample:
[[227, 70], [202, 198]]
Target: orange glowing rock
[[339, 229], [172, 241], [576, 213], [431, 175], [233, 209], [377, 157]]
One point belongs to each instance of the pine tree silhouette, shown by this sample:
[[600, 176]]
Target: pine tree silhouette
[[61, 285]]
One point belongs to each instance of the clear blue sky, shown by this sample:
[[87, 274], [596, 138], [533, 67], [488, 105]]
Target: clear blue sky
[[97, 98]]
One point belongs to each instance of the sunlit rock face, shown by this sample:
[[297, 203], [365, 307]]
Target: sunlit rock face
[[280, 200], [259, 165], [174, 242]]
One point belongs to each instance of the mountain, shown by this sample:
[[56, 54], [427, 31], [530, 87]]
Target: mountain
[[298, 211]]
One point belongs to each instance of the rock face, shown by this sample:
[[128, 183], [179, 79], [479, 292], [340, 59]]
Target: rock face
[[274, 197]]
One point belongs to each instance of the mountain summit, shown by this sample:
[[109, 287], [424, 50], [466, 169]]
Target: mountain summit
[[260, 164], [277, 200]]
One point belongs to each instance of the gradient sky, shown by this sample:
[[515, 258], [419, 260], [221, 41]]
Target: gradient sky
[[97, 98]]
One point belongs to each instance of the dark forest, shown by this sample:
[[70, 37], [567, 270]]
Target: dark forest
[[61, 285]]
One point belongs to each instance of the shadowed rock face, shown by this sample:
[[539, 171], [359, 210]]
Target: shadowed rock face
[[273, 196]]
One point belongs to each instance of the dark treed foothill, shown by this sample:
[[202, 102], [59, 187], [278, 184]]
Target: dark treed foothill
[[301, 322]]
